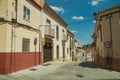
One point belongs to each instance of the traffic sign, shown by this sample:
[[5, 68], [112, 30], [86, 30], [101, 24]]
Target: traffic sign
[[107, 44]]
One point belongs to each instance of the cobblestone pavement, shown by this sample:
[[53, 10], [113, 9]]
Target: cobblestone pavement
[[64, 71]]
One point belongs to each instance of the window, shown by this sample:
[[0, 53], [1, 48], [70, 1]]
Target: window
[[57, 52], [70, 52], [67, 36], [83, 53], [48, 22], [26, 13], [70, 39], [100, 33], [67, 50], [57, 33], [48, 29], [25, 45]]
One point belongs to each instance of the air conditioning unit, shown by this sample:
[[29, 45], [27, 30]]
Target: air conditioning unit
[[14, 18]]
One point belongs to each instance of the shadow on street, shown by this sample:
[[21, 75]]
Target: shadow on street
[[90, 65]]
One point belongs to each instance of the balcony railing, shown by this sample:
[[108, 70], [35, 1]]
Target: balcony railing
[[49, 32], [64, 38]]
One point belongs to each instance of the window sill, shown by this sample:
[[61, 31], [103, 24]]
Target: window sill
[[26, 20]]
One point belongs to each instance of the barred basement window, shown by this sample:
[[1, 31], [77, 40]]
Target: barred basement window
[[25, 45], [26, 13]]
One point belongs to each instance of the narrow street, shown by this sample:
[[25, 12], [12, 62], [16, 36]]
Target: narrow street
[[64, 71], [59, 39]]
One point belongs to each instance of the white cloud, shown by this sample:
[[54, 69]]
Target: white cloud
[[74, 31], [94, 21], [95, 2], [58, 9], [78, 17]]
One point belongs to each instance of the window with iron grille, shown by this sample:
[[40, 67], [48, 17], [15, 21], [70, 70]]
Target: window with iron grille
[[25, 45], [26, 13]]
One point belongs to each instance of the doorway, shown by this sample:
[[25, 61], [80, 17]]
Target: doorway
[[47, 52]]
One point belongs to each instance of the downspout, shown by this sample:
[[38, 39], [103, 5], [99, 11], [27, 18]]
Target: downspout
[[111, 55], [16, 8], [14, 35], [11, 50], [11, 56], [39, 44], [40, 56]]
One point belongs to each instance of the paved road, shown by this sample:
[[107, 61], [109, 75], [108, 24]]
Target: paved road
[[64, 71]]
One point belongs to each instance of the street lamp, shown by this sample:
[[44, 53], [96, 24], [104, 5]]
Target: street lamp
[[95, 15]]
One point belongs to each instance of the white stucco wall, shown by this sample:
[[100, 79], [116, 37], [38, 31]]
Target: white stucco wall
[[54, 23]]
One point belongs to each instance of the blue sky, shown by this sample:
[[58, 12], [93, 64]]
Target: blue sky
[[78, 14]]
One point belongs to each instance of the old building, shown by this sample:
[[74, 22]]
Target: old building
[[54, 35], [31, 33], [19, 35], [107, 37], [70, 45]]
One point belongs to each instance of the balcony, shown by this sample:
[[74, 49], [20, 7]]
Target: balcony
[[71, 45], [14, 17], [49, 32], [64, 38]]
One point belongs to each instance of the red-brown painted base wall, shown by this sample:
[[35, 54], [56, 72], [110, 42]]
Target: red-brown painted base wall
[[12, 62], [115, 64]]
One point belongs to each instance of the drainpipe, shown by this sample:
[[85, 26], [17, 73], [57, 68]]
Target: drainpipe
[[39, 44], [12, 30], [16, 8], [111, 55], [41, 54], [11, 50]]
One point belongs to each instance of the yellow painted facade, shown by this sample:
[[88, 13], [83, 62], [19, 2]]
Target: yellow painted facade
[[70, 44], [3, 38], [15, 27], [22, 28], [22, 24], [108, 30]]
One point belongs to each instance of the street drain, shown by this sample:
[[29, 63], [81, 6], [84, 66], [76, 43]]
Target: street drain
[[32, 69], [80, 75]]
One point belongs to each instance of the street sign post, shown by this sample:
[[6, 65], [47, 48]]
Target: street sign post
[[35, 43], [107, 45]]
